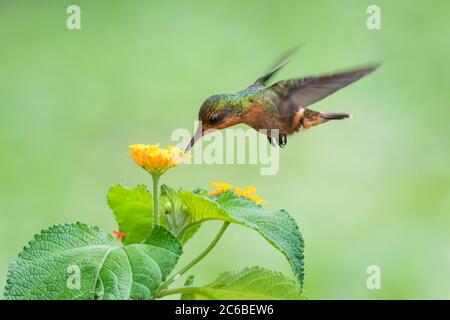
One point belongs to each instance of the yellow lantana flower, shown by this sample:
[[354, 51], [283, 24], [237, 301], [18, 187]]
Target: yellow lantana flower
[[248, 193], [155, 159], [220, 187]]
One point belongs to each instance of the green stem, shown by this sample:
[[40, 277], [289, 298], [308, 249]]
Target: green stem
[[155, 200], [196, 259], [174, 291]]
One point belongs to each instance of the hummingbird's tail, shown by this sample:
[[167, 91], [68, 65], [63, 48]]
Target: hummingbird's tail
[[313, 118]]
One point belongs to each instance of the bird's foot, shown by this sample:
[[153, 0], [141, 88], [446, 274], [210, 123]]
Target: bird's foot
[[272, 142], [281, 140]]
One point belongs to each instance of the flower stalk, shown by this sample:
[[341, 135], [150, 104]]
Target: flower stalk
[[196, 260], [155, 179], [156, 161]]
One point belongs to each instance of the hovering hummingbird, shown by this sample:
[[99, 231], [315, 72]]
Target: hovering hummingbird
[[281, 106]]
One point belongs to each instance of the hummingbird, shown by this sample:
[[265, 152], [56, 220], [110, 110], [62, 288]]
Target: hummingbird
[[282, 107]]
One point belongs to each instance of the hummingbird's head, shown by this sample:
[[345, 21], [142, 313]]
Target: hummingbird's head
[[217, 112]]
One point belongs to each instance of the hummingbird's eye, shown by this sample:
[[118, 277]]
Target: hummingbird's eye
[[214, 119]]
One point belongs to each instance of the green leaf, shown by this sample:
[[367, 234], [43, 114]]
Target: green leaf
[[278, 227], [249, 284], [133, 210], [189, 233], [176, 217], [159, 238], [48, 268]]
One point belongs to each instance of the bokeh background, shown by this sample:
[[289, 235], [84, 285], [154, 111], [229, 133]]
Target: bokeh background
[[372, 190]]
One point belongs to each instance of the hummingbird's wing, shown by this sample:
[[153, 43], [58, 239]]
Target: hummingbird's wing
[[285, 59], [299, 93]]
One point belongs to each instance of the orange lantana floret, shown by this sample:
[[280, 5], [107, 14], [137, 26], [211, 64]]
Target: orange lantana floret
[[119, 235]]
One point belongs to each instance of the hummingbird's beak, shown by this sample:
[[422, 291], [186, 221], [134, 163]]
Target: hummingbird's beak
[[198, 134]]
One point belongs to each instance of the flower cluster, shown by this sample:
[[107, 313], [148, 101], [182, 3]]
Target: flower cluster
[[220, 187], [155, 159], [248, 192]]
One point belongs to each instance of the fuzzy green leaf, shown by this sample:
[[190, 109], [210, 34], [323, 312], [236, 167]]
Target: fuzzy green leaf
[[49, 266], [278, 227], [163, 238], [133, 210], [249, 284]]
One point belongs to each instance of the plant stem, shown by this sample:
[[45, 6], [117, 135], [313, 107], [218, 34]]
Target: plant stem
[[173, 291], [155, 200], [198, 258]]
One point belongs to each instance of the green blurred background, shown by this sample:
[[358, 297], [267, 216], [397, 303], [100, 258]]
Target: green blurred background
[[372, 190]]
